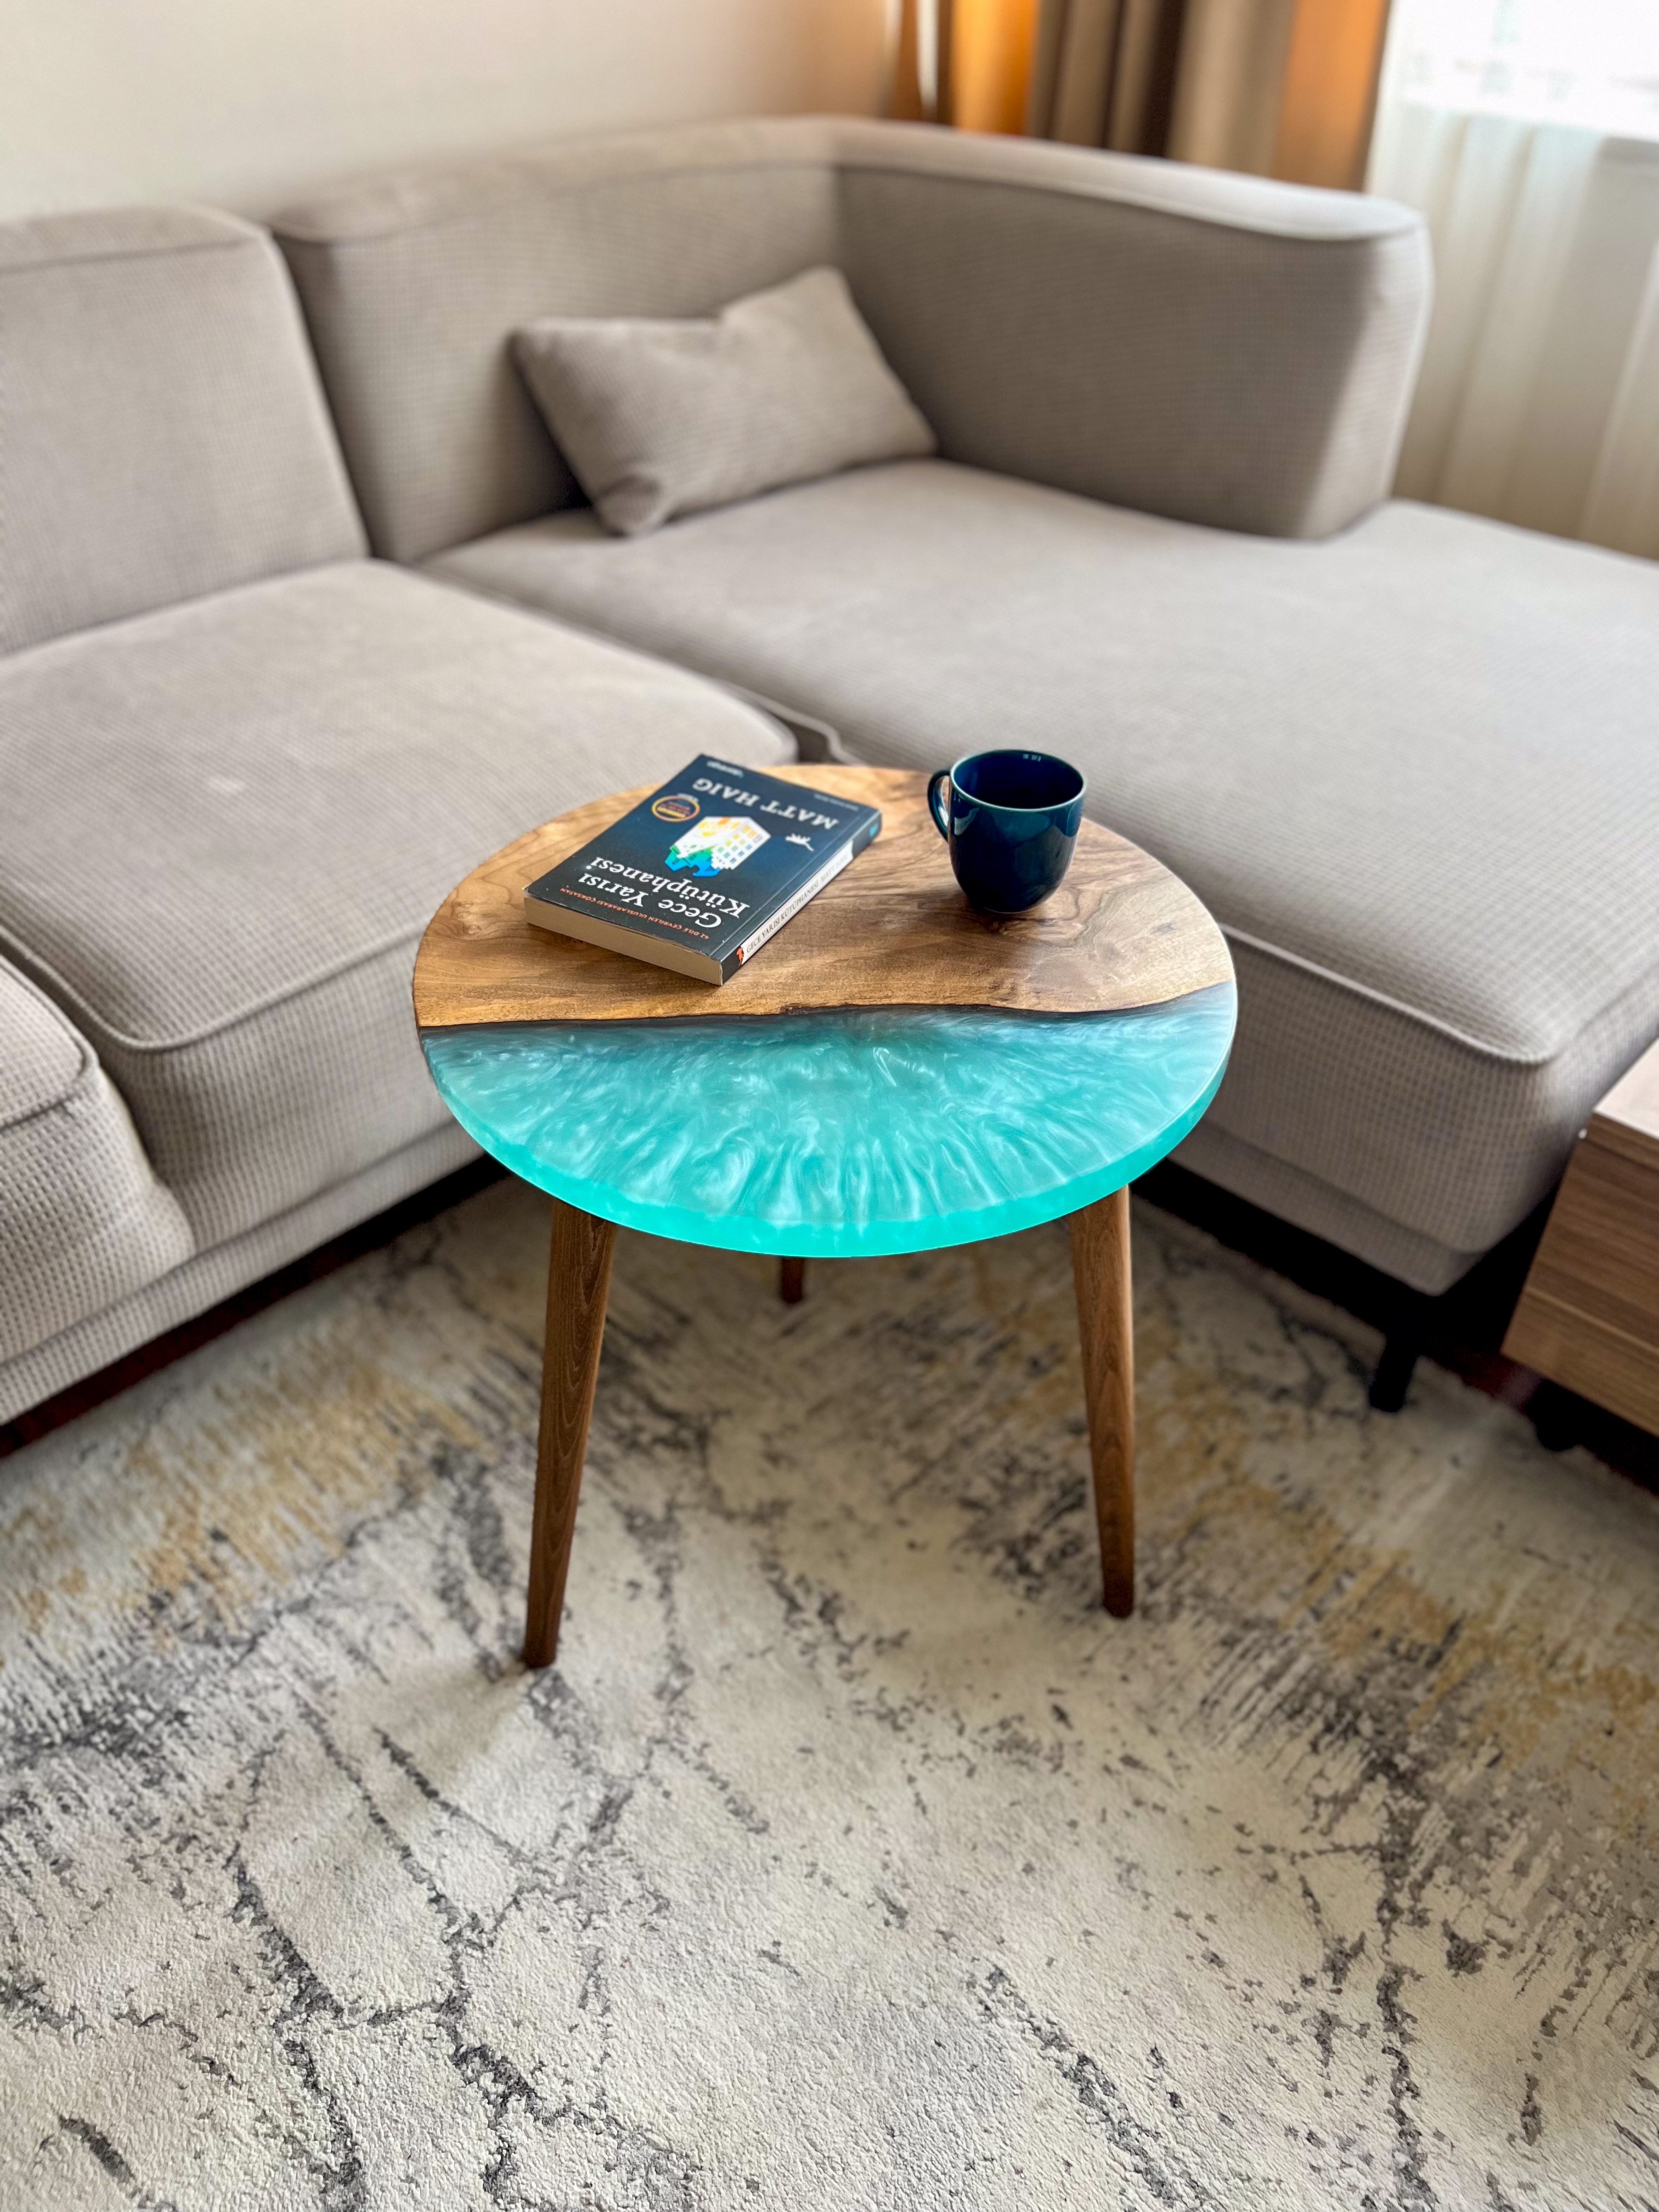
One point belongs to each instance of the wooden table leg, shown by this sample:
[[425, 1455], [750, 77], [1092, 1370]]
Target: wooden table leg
[[1100, 1268], [577, 1284], [792, 1281]]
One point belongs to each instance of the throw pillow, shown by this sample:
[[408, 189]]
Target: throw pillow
[[660, 418]]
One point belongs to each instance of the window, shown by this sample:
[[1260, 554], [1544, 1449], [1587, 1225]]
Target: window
[[1593, 62]]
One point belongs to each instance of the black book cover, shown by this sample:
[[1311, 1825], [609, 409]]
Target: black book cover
[[698, 876]]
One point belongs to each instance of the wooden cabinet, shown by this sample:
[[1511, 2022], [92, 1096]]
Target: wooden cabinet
[[1589, 1317]]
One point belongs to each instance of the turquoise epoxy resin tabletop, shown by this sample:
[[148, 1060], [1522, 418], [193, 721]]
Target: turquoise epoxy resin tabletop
[[832, 1134]]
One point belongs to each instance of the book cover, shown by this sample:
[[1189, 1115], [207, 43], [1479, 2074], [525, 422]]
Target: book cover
[[697, 877]]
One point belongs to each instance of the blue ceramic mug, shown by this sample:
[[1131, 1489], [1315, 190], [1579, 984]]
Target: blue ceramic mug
[[1011, 820]]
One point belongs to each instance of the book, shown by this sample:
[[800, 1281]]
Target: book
[[700, 875]]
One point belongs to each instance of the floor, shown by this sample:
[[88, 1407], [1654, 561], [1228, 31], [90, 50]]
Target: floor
[[850, 1856]]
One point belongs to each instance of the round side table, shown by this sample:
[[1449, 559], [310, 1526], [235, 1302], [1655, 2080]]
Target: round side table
[[894, 1073]]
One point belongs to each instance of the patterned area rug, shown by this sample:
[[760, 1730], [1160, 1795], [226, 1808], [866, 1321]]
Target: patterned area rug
[[851, 1859]]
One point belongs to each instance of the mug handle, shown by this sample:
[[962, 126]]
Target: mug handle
[[941, 822]]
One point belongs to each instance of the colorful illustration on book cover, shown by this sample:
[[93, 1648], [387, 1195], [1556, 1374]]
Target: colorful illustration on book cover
[[719, 841]]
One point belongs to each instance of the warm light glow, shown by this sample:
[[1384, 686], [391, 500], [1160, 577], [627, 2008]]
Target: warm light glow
[[990, 63], [1330, 90]]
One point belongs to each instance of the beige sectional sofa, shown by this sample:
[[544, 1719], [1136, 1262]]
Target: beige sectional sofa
[[241, 763], [1408, 757], [1411, 759]]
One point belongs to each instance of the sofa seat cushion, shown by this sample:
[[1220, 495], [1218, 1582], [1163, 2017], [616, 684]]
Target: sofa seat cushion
[[1413, 769], [83, 1221], [226, 824]]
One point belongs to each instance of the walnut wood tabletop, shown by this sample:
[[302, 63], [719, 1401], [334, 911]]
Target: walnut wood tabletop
[[892, 930], [914, 1075]]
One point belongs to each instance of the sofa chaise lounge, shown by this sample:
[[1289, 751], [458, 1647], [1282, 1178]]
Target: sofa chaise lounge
[[1407, 758]]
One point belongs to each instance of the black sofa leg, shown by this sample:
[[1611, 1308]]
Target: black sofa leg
[[1556, 1417], [1400, 1351]]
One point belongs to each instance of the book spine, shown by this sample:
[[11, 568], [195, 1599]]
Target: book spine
[[769, 928]]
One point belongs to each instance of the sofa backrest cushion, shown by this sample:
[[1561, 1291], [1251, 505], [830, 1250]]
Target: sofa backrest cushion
[[413, 291], [1217, 348], [162, 429]]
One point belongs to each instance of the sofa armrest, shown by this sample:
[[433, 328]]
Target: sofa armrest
[[1216, 348], [83, 1221]]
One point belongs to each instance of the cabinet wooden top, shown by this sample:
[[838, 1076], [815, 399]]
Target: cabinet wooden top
[[1628, 1117], [892, 930]]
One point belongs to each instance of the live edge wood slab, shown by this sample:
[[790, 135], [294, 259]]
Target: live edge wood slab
[[893, 930]]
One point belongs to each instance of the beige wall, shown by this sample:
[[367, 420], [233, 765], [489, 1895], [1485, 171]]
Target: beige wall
[[246, 103]]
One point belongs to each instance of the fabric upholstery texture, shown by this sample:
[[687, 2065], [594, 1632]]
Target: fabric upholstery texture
[[162, 429], [660, 418], [1280, 1187], [83, 1221], [1216, 347], [205, 1278], [1411, 770], [228, 822]]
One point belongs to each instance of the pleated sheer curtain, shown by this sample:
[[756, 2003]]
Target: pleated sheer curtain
[[1527, 132]]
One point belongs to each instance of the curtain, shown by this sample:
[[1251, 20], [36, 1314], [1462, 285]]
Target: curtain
[[1529, 136], [1283, 88], [1104, 73], [965, 62]]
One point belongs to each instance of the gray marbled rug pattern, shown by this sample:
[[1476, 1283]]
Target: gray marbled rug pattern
[[851, 1858]]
